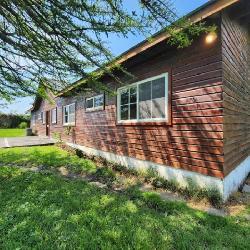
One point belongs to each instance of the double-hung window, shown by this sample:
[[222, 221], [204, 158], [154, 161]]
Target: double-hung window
[[144, 101], [69, 114], [95, 103], [54, 116]]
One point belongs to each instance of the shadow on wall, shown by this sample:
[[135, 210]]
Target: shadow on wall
[[194, 141]]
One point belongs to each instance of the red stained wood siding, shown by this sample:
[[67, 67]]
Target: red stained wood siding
[[193, 141], [236, 94]]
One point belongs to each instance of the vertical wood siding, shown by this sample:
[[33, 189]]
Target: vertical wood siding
[[236, 85]]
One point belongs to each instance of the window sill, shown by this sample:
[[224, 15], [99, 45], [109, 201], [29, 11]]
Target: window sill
[[144, 123], [94, 109], [69, 125]]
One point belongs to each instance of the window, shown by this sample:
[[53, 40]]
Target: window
[[95, 103], [42, 117], [144, 101], [69, 114], [33, 119], [54, 116]]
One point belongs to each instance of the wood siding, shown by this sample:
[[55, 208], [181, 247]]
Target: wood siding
[[236, 91], [194, 141]]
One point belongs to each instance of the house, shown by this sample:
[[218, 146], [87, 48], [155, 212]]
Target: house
[[185, 113]]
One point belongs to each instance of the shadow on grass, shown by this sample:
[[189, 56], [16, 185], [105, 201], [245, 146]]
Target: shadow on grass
[[38, 210]]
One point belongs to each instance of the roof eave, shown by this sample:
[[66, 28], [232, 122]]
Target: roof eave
[[195, 16]]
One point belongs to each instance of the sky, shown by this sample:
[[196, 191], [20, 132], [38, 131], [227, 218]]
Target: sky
[[117, 46]]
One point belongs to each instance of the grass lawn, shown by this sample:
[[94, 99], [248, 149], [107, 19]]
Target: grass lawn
[[46, 211], [12, 132]]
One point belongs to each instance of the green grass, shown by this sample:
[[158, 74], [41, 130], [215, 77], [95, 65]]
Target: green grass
[[12, 132], [45, 211]]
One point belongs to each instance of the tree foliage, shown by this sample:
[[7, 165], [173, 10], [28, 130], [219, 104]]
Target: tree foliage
[[59, 41]]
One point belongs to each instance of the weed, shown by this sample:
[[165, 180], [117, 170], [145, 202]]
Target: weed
[[214, 197], [105, 175], [79, 153]]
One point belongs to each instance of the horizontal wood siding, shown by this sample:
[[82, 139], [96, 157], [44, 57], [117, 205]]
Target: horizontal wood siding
[[236, 85], [194, 141]]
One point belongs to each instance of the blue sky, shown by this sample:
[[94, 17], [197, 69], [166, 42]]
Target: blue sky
[[117, 45]]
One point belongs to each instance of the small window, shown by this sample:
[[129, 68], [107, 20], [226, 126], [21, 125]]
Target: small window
[[95, 103], [69, 114], [54, 116], [42, 117], [33, 119], [144, 101]]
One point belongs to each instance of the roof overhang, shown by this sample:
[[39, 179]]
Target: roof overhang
[[199, 14]]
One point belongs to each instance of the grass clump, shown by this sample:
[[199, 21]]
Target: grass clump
[[105, 175]]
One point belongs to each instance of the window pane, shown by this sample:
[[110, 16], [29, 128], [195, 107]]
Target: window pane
[[66, 119], [98, 101], [54, 115], [158, 108], [133, 110], [124, 112], [65, 110], [158, 98], [145, 109], [66, 114], [124, 96], [133, 95], [145, 100], [90, 103], [72, 118], [158, 88], [72, 108], [145, 91]]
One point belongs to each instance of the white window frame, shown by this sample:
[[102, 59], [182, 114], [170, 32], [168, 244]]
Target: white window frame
[[69, 123], [54, 121], [137, 120], [97, 107], [42, 116]]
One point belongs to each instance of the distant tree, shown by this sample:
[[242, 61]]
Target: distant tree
[[59, 41], [13, 120]]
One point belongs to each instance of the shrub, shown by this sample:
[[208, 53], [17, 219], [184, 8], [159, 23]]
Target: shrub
[[23, 125]]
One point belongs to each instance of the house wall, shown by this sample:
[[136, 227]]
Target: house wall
[[236, 95], [194, 140]]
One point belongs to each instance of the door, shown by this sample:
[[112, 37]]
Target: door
[[47, 123]]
